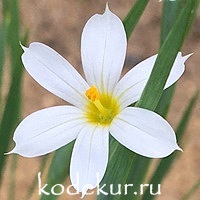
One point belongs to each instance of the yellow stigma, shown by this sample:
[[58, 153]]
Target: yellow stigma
[[93, 95], [101, 108]]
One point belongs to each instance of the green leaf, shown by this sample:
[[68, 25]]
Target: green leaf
[[194, 188], [12, 177], [166, 56], [170, 14], [34, 184], [11, 112], [165, 101], [117, 169], [165, 164], [171, 11], [186, 116], [3, 31], [141, 164], [13, 34], [133, 16], [58, 170]]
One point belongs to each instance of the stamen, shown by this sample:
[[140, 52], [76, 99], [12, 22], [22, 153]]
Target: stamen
[[93, 95]]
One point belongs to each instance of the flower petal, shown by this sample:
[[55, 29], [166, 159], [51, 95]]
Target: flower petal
[[144, 132], [89, 158], [54, 73], [47, 130], [103, 49], [130, 87]]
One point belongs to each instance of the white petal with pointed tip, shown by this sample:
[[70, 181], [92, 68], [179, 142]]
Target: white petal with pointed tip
[[103, 50], [144, 132], [89, 157], [54, 73], [129, 89], [47, 130]]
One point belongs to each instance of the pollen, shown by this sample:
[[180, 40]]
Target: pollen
[[102, 108]]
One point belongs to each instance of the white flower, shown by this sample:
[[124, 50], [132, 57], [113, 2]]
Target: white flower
[[99, 104]]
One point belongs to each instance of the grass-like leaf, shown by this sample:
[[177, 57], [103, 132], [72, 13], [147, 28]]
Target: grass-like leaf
[[3, 30], [58, 170], [120, 162], [194, 188], [165, 164], [11, 113], [13, 36], [166, 56], [150, 102], [42, 167], [171, 11], [134, 15]]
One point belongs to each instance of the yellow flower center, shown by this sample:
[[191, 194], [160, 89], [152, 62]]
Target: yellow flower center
[[101, 108]]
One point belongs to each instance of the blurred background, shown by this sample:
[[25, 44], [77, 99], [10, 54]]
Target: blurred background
[[59, 24]]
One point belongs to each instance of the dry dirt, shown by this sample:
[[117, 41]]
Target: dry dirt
[[59, 24]]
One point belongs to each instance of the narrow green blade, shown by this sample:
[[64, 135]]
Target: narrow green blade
[[34, 184], [120, 161], [165, 101], [166, 56], [166, 163], [171, 10], [133, 16], [13, 37], [58, 170], [3, 31], [194, 188], [162, 109], [141, 164], [11, 113]]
